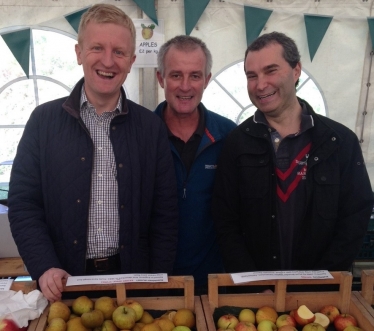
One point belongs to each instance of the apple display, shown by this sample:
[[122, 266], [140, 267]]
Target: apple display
[[227, 321], [82, 304], [92, 319], [285, 319], [330, 311], [124, 317], [184, 317], [304, 316], [136, 306], [266, 325], [107, 305], [322, 319], [59, 309], [266, 313], [247, 315], [245, 326], [344, 320], [8, 325], [56, 324], [313, 327]]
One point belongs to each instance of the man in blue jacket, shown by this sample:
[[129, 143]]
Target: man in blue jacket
[[196, 136], [92, 189]]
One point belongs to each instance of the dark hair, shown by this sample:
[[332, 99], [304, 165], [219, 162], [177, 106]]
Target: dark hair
[[290, 51], [184, 43]]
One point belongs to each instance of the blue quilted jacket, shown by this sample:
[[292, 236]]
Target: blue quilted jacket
[[50, 189], [198, 252]]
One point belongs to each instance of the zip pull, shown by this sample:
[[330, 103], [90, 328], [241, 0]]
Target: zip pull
[[184, 193]]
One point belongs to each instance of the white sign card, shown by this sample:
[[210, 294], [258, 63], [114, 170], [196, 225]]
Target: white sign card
[[244, 277], [5, 284], [149, 38], [117, 279]]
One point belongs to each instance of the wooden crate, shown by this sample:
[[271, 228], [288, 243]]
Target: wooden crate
[[188, 300], [367, 285], [283, 301]]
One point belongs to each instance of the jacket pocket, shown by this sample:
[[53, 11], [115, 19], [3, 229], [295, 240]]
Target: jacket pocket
[[326, 182], [254, 174]]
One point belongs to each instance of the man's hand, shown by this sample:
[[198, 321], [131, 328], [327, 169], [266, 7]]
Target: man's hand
[[51, 283]]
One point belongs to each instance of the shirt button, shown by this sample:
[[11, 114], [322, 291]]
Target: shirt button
[[99, 202], [274, 257], [100, 148], [276, 140], [272, 216], [316, 158], [120, 165], [113, 128], [83, 159], [100, 175], [122, 206], [333, 138], [99, 230], [358, 163], [78, 201], [75, 242]]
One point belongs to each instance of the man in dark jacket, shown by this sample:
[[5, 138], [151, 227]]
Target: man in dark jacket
[[92, 189], [292, 190], [196, 137]]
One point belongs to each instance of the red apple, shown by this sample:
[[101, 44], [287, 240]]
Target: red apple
[[245, 326], [285, 319], [330, 311], [266, 313], [227, 321], [304, 316], [8, 325], [292, 313], [287, 328], [343, 320]]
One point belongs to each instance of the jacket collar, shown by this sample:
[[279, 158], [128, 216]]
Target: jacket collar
[[72, 103]]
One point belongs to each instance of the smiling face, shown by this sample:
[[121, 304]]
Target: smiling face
[[271, 80], [184, 80], [106, 54]]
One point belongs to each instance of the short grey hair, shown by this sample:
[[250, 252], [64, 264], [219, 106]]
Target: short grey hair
[[184, 43]]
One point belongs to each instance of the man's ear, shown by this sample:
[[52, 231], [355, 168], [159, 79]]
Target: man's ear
[[160, 79], [207, 79], [78, 52]]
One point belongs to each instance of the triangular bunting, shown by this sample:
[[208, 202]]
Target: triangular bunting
[[316, 27], [255, 20], [75, 18], [19, 44], [148, 6], [371, 30], [192, 12]]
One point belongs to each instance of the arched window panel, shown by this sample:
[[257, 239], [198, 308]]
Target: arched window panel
[[9, 67], [55, 57], [227, 94]]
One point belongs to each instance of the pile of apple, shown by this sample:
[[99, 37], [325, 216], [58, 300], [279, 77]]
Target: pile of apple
[[103, 314], [267, 319]]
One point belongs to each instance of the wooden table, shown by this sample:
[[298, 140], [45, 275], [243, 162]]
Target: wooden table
[[12, 267]]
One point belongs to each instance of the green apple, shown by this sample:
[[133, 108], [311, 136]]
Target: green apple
[[59, 309], [247, 315], [92, 319], [285, 319], [181, 328], [353, 328], [82, 304], [75, 324], [124, 317], [313, 327], [108, 325], [56, 324], [266, 325], [184, 317], [227, 321], [266, 313], [287, 328], [107, 305]]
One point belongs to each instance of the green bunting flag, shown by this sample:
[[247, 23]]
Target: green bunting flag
[[316, 27], [371, 30], [19, 44], [255, 20], [75, 18], [192, 12], [148, 6]]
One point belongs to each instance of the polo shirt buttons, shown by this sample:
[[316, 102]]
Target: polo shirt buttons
[[316, 158]]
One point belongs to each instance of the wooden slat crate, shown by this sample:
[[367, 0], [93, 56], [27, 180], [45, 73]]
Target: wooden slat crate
[[188, 300], [367, 285], [283, 301]]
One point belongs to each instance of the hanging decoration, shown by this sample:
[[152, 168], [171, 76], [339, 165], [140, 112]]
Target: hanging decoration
[[255, 20], [316, 27], [148, 6], [75, 18], [19, 44], [371, 30], [192, 13]]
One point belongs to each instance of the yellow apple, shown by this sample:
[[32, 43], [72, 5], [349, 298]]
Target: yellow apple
[[184, 317], [136, 306], [313, 327], [247, 315], [59, 309], [304, 316], [151, 327], [146, 318], [92, 319], [56, 324], [266, 325], [266, 313], [227, 321], [138, 326], [82, 304], [165, 324], [75, 324], [107, 305], [287, 328], [108, 325], [285, 319]]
